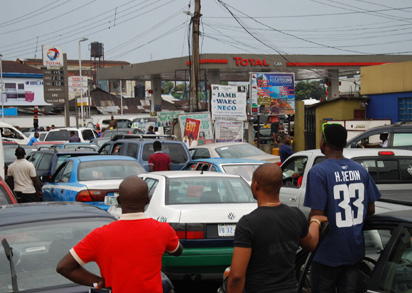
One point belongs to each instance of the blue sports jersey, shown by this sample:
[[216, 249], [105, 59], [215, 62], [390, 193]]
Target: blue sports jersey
[[343, 189]]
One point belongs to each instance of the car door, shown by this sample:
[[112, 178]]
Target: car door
[[87, 135], [293, 171], [64, 187], [49, 189]]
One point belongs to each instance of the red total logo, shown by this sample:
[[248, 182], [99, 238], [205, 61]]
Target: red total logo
[[250, 62]]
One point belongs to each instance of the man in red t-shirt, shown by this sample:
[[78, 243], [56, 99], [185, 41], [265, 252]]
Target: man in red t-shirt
[[159, 161], [128, 252]]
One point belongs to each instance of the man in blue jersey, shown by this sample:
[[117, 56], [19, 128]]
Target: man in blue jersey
[[342, 190]]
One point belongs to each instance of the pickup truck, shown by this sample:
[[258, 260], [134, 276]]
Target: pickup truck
[[390, 168]]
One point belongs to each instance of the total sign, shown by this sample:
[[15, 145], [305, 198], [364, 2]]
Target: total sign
[[228, 102], [52, 57]]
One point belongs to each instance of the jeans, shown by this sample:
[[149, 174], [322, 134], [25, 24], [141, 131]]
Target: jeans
[[26, 197], [342, 279]]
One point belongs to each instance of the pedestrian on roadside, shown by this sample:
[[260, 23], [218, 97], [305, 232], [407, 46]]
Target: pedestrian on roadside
[[342, 190], [73, 137], [112, 123], [267, 239], [34, 139], [150, 130], [23, 179], [285, 149], [48, 128], [53, 126], [156, 130], [128, 251], [159, 161]]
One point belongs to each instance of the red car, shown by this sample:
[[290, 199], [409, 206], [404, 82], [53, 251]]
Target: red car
[[6, 195]]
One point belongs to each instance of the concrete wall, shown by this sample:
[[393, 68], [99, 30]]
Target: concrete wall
[[386, 78], [385, 106], [342, 109], [299, 138]]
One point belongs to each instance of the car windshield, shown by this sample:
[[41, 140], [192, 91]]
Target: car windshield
[[239, 151], [200, 190], [244, 170], [38, 247], [176, 152], [58, 135], [108, 169]]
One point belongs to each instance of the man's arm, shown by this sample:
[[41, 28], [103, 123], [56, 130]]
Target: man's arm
[[237, 275], [37, 184], [311, 240], [10, 182], [69, 268], [371, 209], [178, 251]]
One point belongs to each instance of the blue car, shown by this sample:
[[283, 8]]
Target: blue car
[[89, 179], [241, 167]]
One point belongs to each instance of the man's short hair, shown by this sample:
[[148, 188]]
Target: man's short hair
[[335, 135], [72, 132], [20, 152], [157, 145]]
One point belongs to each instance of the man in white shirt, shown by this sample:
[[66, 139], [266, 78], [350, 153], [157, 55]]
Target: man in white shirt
[[23, 179]]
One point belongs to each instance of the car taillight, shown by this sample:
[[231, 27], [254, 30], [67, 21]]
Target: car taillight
[[386, 153], [91, 195], [189, 231]]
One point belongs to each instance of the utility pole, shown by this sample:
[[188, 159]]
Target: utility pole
[[195, 67]]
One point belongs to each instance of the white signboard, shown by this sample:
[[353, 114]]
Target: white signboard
[[76, 85], [228, 102], [52, 57], [228, 131], [23, 92]]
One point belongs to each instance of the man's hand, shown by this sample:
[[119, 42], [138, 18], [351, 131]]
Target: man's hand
[[320, 218], [311, 240]]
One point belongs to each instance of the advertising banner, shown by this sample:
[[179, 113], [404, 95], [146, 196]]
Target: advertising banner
[[23, 92], [191, 133], [273, 92], [228, 131], [52, 57], [228, 102], [76, 85], [205, 128]]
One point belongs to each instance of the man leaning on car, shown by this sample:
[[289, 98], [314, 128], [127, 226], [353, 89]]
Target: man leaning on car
[[128, 251]]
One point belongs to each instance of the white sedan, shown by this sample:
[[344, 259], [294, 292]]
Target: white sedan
[[203, 208], [231, 150]]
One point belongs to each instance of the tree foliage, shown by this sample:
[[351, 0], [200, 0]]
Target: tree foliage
[[309, 89]]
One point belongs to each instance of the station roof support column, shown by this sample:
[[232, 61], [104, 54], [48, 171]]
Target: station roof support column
[[333, 87], [156, 98]]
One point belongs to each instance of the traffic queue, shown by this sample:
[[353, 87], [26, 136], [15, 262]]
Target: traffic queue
[[81, 180]]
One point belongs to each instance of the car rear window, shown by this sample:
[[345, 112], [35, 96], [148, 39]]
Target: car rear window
[[176, 152], [58, 135], [203, 190], [239, 151], [388, 170], [244, 170], [108, 169]]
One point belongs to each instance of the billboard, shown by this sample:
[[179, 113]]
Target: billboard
[[23, 92], [228, 102], [228, 131], [273, 92], [205, 129], [52, 57]]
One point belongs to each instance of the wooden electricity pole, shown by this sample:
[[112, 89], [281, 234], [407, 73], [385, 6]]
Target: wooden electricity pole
[[195, 68]]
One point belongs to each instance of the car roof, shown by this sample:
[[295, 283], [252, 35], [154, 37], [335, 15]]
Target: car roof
[[394, 216], [69, 129], [32, 212], [103, 158], [62, 151], [184, 174], [147, 140], [218, 144], [351, 153], [228, 161]]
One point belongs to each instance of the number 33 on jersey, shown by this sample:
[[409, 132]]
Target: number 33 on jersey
[[352, 213]]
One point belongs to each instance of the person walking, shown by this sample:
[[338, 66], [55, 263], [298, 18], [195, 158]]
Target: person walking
[[34, 139], [266, 240], [128, 251], [112, 123], [73, 137], [150, 130], [342, 190], [159, 161], [285, 149], [23, 179]]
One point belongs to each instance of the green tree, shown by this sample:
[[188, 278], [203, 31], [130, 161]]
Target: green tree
[[309, 89], [167, 86]]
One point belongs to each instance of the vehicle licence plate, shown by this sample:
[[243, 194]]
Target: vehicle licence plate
[[110, 200], [226, 230]]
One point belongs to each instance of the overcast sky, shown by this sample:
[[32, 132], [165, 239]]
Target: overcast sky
[[144, 30]]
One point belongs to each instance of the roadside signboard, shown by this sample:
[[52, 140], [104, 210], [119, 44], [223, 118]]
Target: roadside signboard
[[52, 57], [228, 102], [205, 129], [55, 85], [273, 92], [228, 131]]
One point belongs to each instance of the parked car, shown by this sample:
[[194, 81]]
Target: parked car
[[100, 141], [203, 208], [9, 153], [89, 179], [390, 168], [121, 123], [11, 133], [141, 149], [77, 146], [241, 167], [388, 255], [36, 250], [231, 150], [6, 194], [47, 161], [110, 133], [398, 135], [63, 134]]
